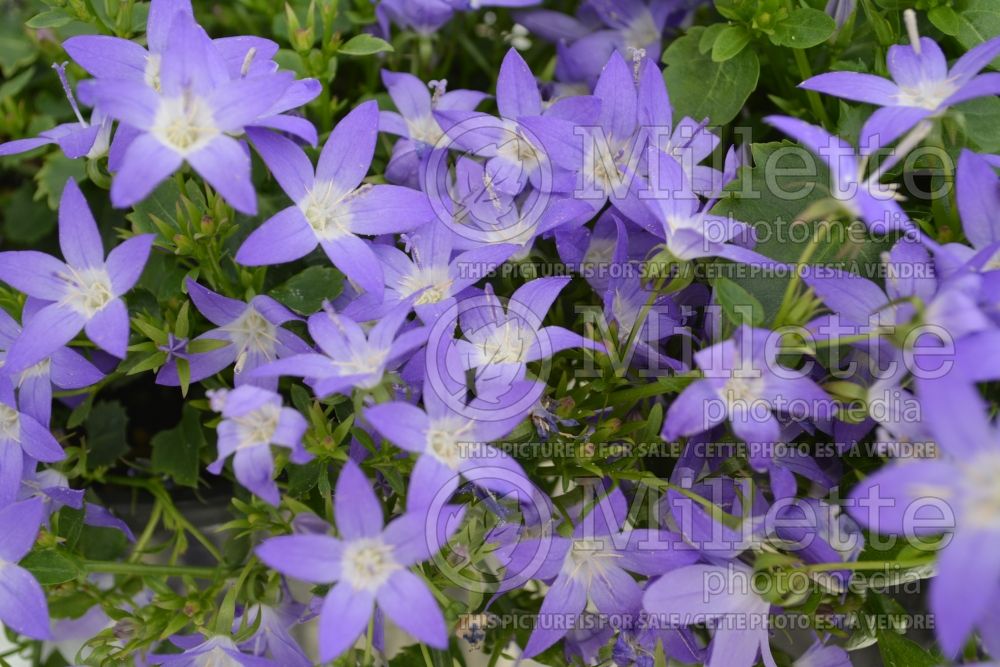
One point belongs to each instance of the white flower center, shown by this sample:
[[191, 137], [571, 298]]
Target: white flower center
[[445, 440], [10, 424], [184, 123], [926, 94], [434, 280], [425, 129], [365, 360], [368, 563], [981, 503], [641, 32], [87, 290], [250, 332], [588, 559], [742, 391], [519, 150], [41, 369], [322, 207], [508, 342], [258, 427]]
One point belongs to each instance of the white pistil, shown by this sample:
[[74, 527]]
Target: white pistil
[[981, 492], [61, 73], [434, 281], [589, 559], [247, 61], [184, 123], [151, 73], [743, 391], [87, 290], [10, 424], [368, 563], [507, 342], [910, 19]]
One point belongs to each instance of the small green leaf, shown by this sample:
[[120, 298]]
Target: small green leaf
[[701, 87], [945, 19], [805, 27], [53, 18], [365, 45], [176, 451], [203, 345], [740, 307], [708, 37], [50, 567], [106, 434], [729, 43], [305, 292], [898, 651], [979, 21]]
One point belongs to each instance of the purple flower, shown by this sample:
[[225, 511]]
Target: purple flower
[[190, 117], [449, 441], [273, 634], [368, 565], [83, 293], [20, 435], [428, 274], [865, 198], [22, 601], [724, 598], [922, 85], [214, 650], [593, 566], [499, 340], [348, 356], [744, 383], [64, 369], [252, 420], [79, 139], [978, 197], [415, 121], [331, 205], [250, 335]]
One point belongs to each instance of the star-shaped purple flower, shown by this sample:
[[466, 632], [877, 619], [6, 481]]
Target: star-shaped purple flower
[[84, 292], [22, 601], [368, 565]]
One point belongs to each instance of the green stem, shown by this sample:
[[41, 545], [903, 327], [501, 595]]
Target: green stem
[[369, 639], [869, 565], [805, 71], [146, 569], [788, 299], [147, 533], [427, 655]]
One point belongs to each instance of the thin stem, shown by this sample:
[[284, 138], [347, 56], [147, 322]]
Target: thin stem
[[146, 569], [868, 565], [369, 639], [147, 533], [805, 71], [427, 655]]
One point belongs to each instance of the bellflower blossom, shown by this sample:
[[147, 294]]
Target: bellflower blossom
[[368, 565], [250, 334], [22, 601], [593, 566], [253, 419], [214, 650], [957, 492], [723, 597], [331, 205], [348, 356], [922, 85], [744, 383], [449, 441], [978, 196], [190, 118], [64, 368], [84, 292], [20, 435], [414, 121]]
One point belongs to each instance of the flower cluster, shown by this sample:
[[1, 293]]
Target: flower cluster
[[544, 372]]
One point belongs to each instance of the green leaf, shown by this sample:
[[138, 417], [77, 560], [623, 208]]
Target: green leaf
[[176, 451], [106, 434], [52, 177], [738, 305], [701, 87], [305, 292], [979, 21], [708, 37], [16, 49], [50, 567], [70, 526], [981, 118], [53, 18], [16, 85], [729, 43], [805, 27], [945, 19], [365, 45], [898, 651]]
